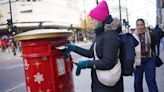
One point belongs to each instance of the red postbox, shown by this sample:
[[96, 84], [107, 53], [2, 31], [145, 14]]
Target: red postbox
[[46, 70]]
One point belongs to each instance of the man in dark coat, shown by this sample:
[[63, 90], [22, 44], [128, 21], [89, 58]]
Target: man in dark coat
[[107, 48], [159, 34]]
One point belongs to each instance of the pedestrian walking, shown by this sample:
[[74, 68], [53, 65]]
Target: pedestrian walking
[[9, 46], [14, 47], [145, 58], [3, 44], [19, 47], [158, 34], [106, 46]]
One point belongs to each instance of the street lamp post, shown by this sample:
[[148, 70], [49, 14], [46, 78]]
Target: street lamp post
[[120, 10], [97, 2], [11, 14], [85, 22], [12, 28]]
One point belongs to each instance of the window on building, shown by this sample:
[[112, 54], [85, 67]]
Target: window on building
[[34, 0], [28, 0], [23, 0], [26, 11]]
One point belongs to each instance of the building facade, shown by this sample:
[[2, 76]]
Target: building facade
[[32, 14], [160, 13]]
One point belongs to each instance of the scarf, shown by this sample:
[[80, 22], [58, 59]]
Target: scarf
[[99, 29], [147, 39], [138, 48]]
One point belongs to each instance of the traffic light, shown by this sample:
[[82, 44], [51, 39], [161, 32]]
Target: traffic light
[[9, 22], [14, 30], [126, 23]]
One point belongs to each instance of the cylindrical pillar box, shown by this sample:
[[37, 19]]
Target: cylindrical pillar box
[[46, 70]]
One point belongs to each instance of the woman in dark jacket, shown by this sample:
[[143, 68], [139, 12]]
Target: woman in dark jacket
[[107, 47]]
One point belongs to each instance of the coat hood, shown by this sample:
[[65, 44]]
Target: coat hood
[[114, 25]]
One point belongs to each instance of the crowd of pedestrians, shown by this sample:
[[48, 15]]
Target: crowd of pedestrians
[[9, 46]]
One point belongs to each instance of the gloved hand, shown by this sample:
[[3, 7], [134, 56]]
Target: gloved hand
[[65, 53], [78, 71], [81, 65], [70, 47]]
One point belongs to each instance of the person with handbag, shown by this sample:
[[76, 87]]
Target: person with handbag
[[104, 50], [145, 58]]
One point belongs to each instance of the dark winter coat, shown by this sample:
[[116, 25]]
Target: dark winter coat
[[107, 46], [154, 41], [158, 34]]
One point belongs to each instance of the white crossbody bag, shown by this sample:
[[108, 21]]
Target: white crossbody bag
[[108, 77]]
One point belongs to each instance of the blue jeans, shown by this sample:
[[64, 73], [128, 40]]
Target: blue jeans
[[147, 66]]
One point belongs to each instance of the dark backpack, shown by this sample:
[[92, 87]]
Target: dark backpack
[[127, 53]]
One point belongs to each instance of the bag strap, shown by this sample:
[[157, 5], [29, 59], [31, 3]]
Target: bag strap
[[94, 50]]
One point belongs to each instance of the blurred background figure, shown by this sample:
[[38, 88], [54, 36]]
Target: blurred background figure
[[19, 47], [9, 46], [3, 44], [159, 34], [14, 47]]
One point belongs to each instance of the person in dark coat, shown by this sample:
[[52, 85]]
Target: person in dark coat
[[107, 47], [158, 34], [145, 58]]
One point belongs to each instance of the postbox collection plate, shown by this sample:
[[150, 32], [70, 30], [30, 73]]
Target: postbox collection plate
[[61, 66]]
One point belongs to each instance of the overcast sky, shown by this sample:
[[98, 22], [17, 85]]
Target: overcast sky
[[145, 9]]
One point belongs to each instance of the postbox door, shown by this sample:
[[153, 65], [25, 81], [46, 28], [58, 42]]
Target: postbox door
[[63, 76], [39, 74]]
